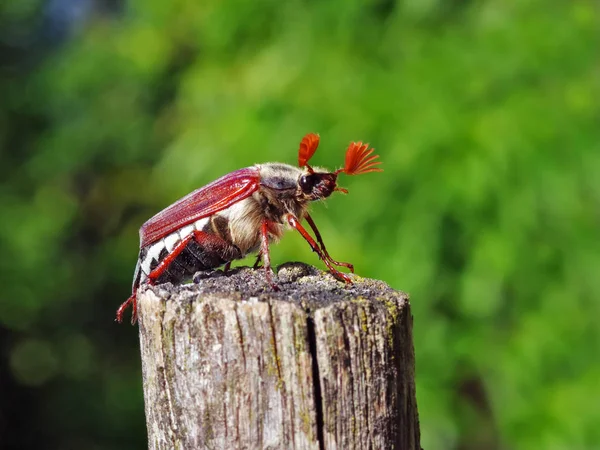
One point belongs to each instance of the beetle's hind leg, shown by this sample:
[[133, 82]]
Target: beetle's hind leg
[[214, 248], [132, 300], [152, 277]]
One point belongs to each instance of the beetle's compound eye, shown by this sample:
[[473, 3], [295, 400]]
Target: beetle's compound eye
[[306, 183]]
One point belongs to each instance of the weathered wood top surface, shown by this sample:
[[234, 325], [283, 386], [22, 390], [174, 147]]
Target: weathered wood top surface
[[298, 283], [230, 363]]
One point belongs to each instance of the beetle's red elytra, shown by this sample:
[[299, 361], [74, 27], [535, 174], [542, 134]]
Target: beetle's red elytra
[[241, 213]]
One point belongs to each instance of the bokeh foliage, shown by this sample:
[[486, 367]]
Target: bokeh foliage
[[487, 119]]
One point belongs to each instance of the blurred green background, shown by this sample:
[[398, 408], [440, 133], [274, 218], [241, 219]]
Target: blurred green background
[[487, 118]]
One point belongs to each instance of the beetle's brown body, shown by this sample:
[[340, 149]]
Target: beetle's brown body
[[238, 214], [237, 226]]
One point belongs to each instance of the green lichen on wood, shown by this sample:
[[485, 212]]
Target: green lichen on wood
[[299, 338], [306, 420], [392, 308], [207, 422], [168, 346], [360, 300], [273, 361], [363, 320], [353, 426]]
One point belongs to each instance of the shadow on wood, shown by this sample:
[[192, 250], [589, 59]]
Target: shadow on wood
[[230, 364]]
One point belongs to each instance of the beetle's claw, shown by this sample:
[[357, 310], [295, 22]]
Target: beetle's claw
[[130, 301], [341, 276]]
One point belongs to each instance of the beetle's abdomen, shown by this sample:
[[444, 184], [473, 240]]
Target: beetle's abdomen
[[213, 250]]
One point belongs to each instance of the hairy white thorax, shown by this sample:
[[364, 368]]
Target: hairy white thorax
[[244, 221]]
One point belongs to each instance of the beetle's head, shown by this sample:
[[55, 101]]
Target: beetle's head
[[317, 184]]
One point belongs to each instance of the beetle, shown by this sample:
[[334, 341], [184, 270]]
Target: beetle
[[241, 213]]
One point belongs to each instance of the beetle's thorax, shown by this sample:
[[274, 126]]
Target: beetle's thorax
[[279, 192]]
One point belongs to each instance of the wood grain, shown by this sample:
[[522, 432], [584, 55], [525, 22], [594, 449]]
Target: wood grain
[[230, 364]]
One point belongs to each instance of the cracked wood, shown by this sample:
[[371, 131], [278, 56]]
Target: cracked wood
[[228, 364]]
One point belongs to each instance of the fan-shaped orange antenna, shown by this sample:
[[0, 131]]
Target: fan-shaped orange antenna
[[308, 147], [360, 159]]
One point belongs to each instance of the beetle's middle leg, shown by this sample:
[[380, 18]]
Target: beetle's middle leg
[[264, 250], [132, 300]]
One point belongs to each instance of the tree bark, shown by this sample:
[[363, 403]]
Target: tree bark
[[228, 363]]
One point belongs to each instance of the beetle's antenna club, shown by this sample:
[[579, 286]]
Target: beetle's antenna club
[[360, 159], [308, 147]]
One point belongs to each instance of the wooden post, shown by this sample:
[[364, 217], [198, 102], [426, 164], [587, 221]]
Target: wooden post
[[231, 364]]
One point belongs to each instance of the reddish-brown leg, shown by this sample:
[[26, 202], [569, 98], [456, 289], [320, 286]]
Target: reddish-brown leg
[[152, 277], [134, 311], [130, 301], [165, 263], [258, 261], [227, 267], [295, 223], [312, 224], [264, 250], [200, 237]]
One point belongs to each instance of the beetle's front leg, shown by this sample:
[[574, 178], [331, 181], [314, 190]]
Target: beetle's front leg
[[264, 250], [295, 223], [312, 224]]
